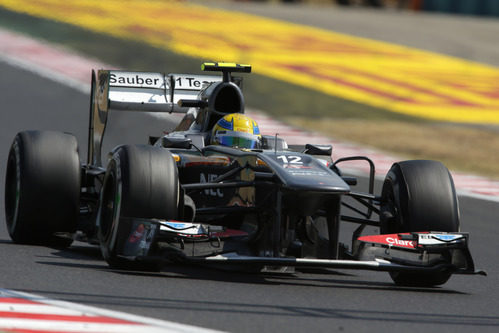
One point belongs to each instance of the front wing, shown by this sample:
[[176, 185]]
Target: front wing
[[406, 252]]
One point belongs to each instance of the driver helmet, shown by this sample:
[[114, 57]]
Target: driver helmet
[[236, 130]]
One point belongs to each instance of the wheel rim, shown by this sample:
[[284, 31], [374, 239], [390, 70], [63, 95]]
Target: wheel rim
[[108, 207], [392, 224]]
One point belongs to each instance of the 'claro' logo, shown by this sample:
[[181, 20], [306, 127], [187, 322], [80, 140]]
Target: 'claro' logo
[[399, 242]]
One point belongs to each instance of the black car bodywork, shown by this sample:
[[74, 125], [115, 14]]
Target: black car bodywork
[[180, 198]]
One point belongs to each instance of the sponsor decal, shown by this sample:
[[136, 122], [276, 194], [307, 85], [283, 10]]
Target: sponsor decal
[[390, 240], [208, 178], [138, 80], [306, 172], [178, 225], [292, 166], [447, 238], [184, 229], [140, 239], [192, 82], [438, 239], [399, 242], [137, 234], [197, 230]]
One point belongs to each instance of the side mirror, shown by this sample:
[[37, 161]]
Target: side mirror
[[176, 142], [325, 150], [152, 140]]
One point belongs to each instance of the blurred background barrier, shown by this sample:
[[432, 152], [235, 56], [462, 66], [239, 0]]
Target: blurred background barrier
[[469, 7], [465, 7]]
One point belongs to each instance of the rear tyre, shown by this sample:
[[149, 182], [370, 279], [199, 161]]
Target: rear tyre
[[140, 182], [42, 188], [419, 196]]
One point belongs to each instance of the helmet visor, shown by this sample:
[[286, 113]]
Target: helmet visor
[[237, 139]]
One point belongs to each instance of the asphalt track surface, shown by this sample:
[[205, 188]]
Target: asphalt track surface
[[231, 301]]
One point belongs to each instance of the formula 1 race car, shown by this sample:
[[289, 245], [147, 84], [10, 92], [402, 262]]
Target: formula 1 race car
[[262, 206]]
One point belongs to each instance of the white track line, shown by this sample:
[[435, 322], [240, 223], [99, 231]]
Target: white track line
[[68, 68], [27, 312]]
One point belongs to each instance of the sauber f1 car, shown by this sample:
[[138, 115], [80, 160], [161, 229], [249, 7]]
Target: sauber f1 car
[[263, 208]]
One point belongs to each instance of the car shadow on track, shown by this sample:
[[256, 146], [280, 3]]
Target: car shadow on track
[[318, 277], [245, 308], [79, 256]]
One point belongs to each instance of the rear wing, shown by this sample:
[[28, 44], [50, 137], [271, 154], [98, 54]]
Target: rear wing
[[137, 91], [151, 92]]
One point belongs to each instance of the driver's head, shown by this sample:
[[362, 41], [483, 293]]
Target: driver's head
[[236, 130]]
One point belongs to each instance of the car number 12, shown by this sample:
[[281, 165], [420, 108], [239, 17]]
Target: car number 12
[[290, 159]]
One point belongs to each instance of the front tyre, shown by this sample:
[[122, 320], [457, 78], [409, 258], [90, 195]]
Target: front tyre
[[419, 196], [42, 188], [141, 182]]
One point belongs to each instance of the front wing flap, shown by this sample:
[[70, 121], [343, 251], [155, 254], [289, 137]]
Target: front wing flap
[[411, 252], [420, 250]]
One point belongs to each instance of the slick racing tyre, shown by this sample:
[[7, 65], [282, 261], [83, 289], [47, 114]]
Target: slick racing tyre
[[419, 196], [42, 188], [141, 183]]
